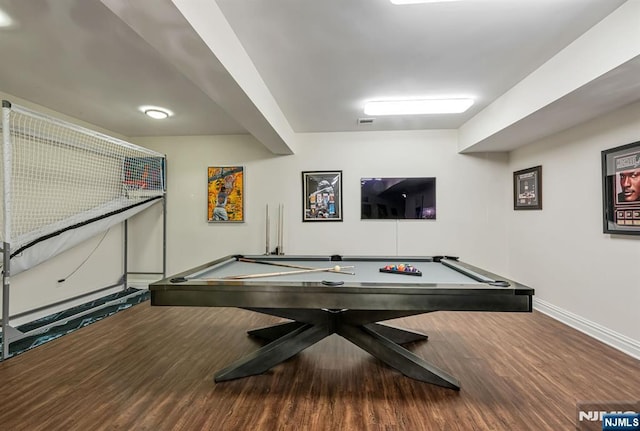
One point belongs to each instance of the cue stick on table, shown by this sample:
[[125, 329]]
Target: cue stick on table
[[287, 265], [275, 274]]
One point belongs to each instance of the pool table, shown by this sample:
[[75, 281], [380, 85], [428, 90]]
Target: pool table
[[319, 301]]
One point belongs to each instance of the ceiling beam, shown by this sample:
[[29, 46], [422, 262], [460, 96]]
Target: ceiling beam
[[600, 69], [196, 39]]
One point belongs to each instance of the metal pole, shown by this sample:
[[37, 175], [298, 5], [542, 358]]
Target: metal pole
[[164, 236], [125, 277], [6, 249], [164, 219], [6, 258]]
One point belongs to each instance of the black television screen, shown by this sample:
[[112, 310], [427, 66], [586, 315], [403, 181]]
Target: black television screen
[[398, 198]]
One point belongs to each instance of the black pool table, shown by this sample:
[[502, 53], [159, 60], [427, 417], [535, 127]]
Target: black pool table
[[319, 302]]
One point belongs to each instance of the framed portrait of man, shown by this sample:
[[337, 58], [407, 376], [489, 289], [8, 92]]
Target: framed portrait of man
[[321, 196], [621, 189]]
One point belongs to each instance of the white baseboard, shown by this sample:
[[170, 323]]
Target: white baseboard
[[614, 339]]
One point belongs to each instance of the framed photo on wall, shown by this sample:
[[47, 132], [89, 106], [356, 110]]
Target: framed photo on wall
[[621, 189], [225, 194], [527, 189], [322, 196]]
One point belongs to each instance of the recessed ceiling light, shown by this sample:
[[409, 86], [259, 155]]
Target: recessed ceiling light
[[401, 2], [417, 106], [5, 19], [156, 112]]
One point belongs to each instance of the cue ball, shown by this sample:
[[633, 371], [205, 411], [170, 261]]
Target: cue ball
[[336, 268]]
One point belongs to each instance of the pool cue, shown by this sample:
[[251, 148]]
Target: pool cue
[[281, 234], [267, 245], [275, 274], [277, 249], [286, 265]]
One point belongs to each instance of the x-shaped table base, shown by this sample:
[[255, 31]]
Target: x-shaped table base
[[358, 326]]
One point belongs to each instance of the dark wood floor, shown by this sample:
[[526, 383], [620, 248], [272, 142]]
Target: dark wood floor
[[151, 368]]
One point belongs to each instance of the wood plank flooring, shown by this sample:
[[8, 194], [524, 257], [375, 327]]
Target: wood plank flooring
[[151, 368]]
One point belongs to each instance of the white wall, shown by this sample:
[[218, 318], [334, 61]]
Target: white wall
[[472, 197], [581, 275]]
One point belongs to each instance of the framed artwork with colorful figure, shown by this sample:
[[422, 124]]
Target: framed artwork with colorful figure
[[225, 194]]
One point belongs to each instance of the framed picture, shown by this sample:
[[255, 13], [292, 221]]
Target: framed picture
[[225, 194], [621, 189], [527, 189], [322, 196]]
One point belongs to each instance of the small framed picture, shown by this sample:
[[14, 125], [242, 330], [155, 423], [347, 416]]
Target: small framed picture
[[225, 194], [527, 189], [621, 189], [322, 196]]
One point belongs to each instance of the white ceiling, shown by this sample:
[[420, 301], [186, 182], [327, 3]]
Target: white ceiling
[[275, 68]]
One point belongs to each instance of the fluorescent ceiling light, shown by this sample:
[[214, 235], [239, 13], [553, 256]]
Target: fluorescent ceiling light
[[401, 2], [156, 112], [5, 20], [417, 106]]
